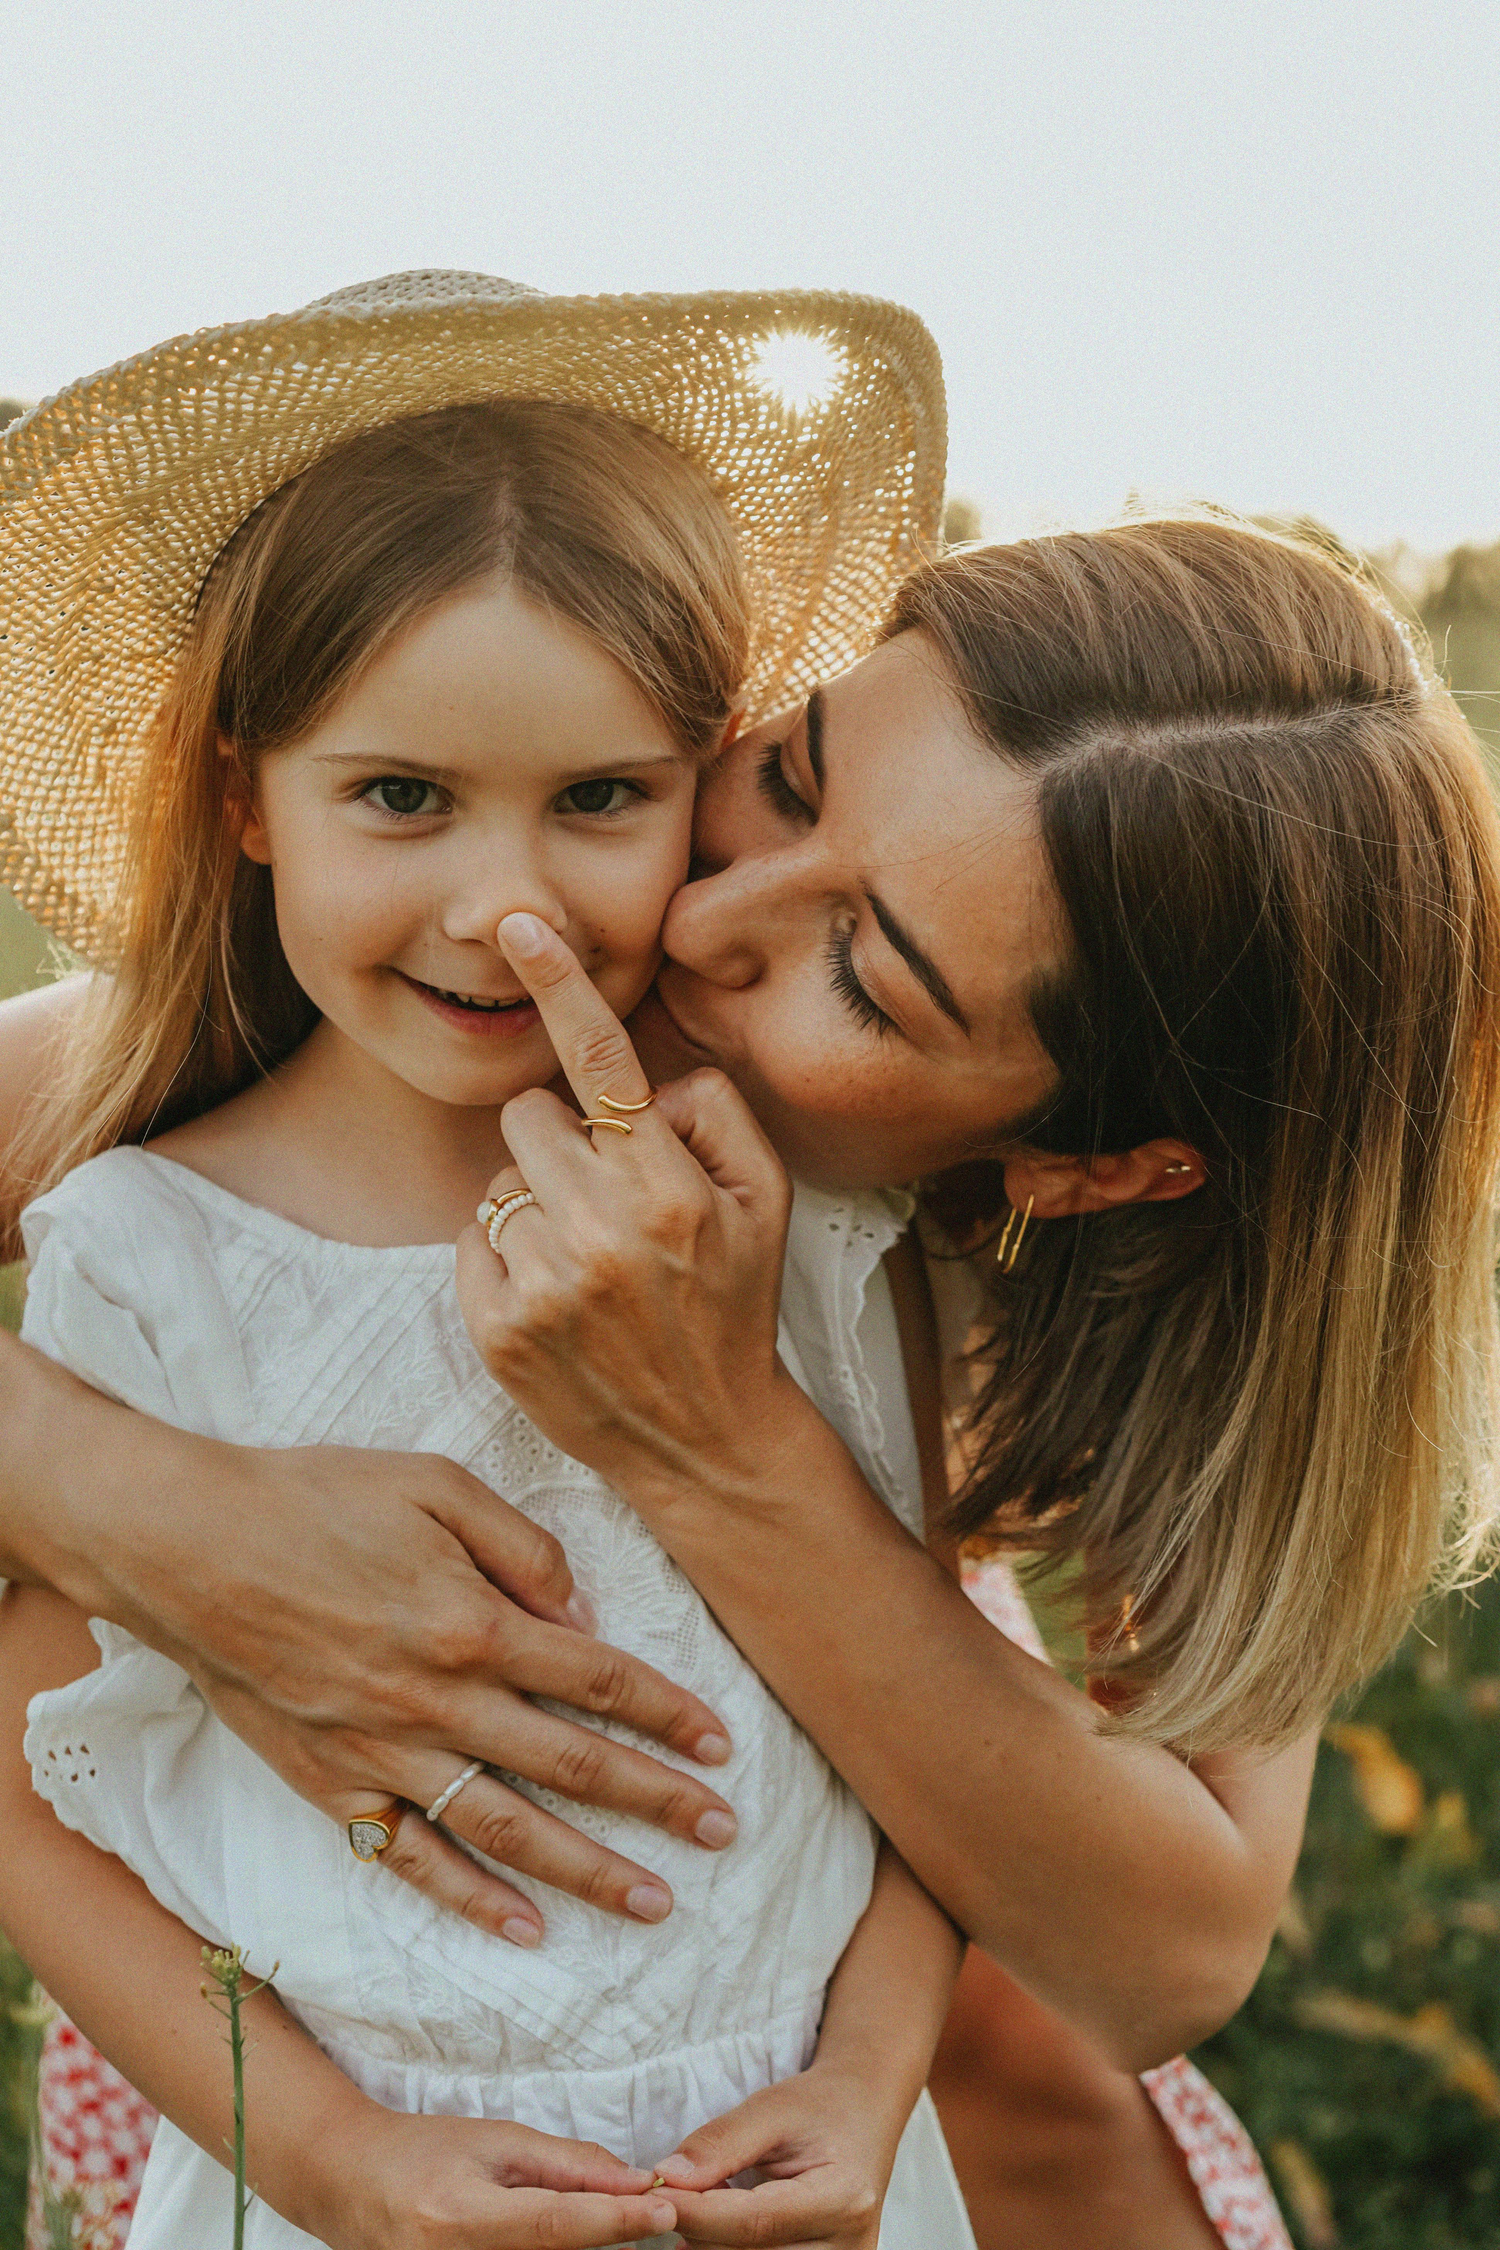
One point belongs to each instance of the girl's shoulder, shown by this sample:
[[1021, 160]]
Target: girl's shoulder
[[125, 1286]]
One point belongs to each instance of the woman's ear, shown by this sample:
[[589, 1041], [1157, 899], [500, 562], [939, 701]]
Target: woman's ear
[[1062, 1187], [241, 815]]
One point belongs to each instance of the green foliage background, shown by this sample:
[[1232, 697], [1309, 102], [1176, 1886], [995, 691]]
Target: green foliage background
[[1367, 2061]]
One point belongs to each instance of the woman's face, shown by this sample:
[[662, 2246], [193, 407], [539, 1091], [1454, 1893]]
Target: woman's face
[[855, 953]]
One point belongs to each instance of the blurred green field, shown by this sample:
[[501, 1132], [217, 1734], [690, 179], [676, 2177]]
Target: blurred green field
[[1367, 2061]]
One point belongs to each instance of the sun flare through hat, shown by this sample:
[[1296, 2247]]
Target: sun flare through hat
[[819, 419]]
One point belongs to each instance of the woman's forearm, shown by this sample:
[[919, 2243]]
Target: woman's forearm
[[55, 1436], [1104, 1874]]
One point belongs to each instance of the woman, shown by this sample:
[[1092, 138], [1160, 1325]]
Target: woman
[[1132, 1892]]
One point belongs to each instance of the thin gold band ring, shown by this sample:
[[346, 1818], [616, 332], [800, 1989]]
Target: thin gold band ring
[[622, 1110]]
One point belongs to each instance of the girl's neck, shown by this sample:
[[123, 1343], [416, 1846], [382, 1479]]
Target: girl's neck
[[339, 1144]]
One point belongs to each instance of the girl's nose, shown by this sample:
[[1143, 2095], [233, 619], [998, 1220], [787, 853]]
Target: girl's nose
[[497, 883]]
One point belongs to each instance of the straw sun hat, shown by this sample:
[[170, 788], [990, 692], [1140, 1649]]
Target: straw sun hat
[[819, 418]]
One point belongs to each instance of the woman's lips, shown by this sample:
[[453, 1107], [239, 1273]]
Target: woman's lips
[[506, 1019]]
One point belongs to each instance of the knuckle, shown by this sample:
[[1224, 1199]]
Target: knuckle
[[602, 1263], [607, 1686], [553, 2227], [457, 1646], [538, 1558], [494, 1337], [709, 1084], [676, 1807], [602, 1048], [579, 1767], [405, 1855], [675, 1215], [861, 2204], [499, 1831], [531, 1101], [598, 1883], [472, 1902]]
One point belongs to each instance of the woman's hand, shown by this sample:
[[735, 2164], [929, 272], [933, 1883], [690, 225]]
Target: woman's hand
[[633, 1310], [823, 2145], [422, 1615], [460, 2183]]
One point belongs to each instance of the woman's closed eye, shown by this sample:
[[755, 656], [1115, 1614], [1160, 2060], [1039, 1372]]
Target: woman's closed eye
[[778, 792], [841, 969]]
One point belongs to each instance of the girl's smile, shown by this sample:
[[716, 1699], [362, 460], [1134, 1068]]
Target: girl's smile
[[476, 1017]]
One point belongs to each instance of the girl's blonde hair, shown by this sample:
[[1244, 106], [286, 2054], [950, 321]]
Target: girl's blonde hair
[[601, 522], [1261, 1417]]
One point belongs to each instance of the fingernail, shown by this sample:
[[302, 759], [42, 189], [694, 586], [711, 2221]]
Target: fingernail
[[649, 1902], [717, 1829], [524, 934], [711, 1749], [677, 2171], [661, 2215], [581, 1614], [519, 1932]]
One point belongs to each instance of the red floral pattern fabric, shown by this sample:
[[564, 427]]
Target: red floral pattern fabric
[[96, 2133]]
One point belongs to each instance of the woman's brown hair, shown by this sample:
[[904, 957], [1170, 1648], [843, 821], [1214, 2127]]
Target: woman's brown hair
[[599, 521], [1260, 1417]]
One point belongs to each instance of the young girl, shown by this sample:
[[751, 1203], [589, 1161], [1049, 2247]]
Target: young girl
[[462, 664]]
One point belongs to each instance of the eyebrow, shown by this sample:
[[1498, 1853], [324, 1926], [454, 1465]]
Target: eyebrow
[[376, 761], [921, 965]]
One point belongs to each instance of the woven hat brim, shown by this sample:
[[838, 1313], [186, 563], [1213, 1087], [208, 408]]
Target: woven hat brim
[[116, 495]]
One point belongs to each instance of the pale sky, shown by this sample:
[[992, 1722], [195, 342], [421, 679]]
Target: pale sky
[[1245, 253]]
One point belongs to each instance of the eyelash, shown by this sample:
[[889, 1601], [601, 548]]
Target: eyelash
[[368, 796], [777, 790], [840, 954]]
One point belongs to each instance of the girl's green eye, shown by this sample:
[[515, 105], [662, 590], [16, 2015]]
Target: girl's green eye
[[396, 794], [597, 797]]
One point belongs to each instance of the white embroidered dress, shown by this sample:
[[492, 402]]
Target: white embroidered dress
[[217, 1316]]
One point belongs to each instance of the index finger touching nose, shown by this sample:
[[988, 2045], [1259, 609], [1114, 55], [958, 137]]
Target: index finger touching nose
[[590, 1041]]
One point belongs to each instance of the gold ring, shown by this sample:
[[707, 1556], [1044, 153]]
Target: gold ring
[[372, 1833], [493, 1215], [625, 1109], [610, 1124]]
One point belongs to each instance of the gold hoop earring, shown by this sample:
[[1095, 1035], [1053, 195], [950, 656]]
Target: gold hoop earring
[[1007, 1263]]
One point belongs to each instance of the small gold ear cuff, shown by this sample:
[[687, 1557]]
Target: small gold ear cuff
[[1006, 1261]]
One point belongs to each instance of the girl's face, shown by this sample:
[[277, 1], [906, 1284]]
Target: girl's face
[[872, 904], [491, 758]]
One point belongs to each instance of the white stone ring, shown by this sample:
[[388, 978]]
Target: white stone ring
[[494, 1214], [439, 1805]]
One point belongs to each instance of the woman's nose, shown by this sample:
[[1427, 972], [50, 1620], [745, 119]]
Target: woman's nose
[[728, 927]]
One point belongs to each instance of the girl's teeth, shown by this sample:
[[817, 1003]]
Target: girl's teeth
[[486, 1007]]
